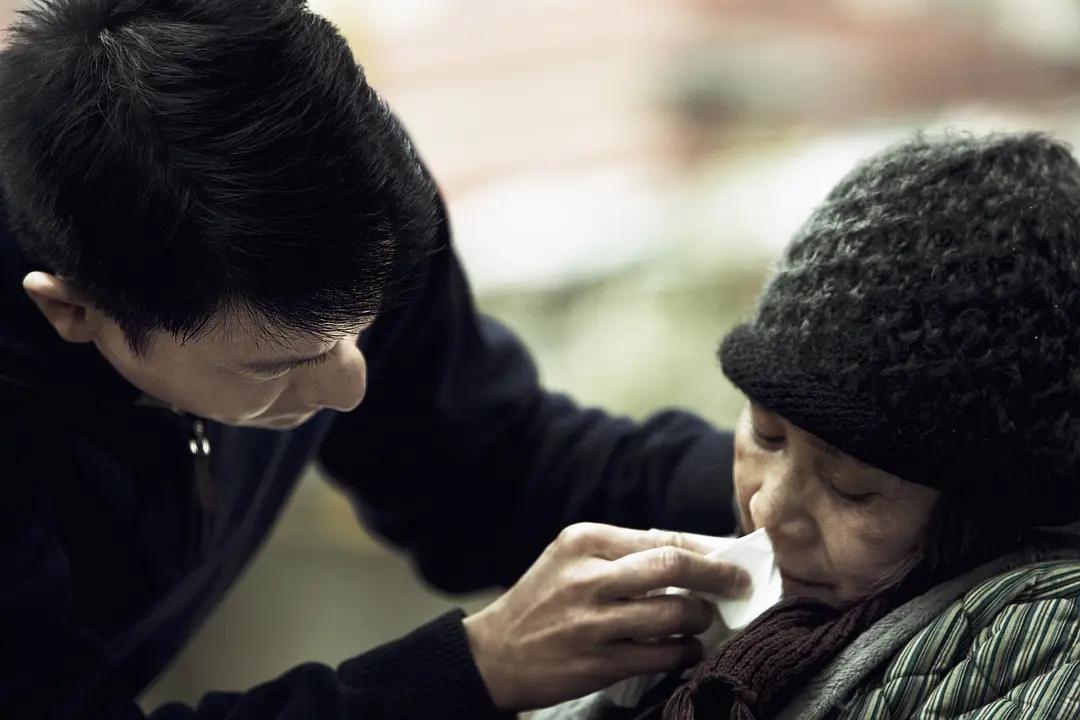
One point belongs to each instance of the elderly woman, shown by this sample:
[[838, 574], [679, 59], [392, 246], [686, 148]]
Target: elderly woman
[[911, 444]]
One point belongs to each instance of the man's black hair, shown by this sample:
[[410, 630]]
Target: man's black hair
[[174, 158]]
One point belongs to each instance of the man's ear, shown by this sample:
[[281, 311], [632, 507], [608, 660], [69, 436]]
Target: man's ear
[[74, 319]]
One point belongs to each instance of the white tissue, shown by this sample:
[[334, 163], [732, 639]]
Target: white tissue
[[753, 553]]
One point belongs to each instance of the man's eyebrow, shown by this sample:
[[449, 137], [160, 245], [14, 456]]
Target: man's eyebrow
[[282, 363]]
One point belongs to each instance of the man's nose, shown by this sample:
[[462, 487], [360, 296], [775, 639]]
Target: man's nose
[[340, 384]]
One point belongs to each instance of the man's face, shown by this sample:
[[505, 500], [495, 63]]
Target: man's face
[[235, 375]]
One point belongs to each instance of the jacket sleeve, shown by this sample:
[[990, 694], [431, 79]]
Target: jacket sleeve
[[460, 457], [427, 674], [53, 666]]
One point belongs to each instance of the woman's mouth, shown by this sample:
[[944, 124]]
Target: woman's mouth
[[797, 582]]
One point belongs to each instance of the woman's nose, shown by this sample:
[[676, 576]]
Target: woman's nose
[[780, 508]]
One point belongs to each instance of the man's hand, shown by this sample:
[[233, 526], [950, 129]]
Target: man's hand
[[579, 620]]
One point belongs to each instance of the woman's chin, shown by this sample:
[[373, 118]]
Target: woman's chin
[[818, 591]]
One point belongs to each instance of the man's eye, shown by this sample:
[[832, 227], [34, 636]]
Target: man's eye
[[311, 361], [279, 372]]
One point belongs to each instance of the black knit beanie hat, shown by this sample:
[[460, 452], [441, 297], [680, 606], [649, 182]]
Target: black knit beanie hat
[[926, 320]]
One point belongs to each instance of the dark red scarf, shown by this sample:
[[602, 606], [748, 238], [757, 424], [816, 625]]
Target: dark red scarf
[[759, 670]]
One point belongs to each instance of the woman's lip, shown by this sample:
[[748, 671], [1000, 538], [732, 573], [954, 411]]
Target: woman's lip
[[801, 580]]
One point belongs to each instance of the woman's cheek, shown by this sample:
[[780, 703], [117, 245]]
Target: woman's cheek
[[864, 558], [745, 489]]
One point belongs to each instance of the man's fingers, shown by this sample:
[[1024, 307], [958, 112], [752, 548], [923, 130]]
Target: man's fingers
[[607, 542], [658, 656], [658, 617], [611, 543], [642, 572], [703, 544]]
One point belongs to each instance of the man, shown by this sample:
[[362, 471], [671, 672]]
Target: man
[[218, 241]]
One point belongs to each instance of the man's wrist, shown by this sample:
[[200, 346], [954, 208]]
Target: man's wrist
[[492, 671], [430, 670]]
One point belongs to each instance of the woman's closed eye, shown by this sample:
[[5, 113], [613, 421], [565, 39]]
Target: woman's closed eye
[[771, 440], [849, 491], [767, 430], [860, 498]]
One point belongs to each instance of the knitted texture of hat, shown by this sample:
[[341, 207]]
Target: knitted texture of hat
[[926, 320]]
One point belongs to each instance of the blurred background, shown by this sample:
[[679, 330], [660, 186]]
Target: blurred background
[[620, 173]]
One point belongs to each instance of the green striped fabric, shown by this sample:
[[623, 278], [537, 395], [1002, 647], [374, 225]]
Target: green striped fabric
[[1009, 649]]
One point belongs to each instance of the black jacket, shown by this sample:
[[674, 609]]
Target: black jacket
[[109, 561]]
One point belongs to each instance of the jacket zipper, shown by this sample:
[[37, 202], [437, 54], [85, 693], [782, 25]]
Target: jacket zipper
[[199, 445], [206, 493]]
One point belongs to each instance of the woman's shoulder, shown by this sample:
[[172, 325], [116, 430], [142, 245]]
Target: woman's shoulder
[[1046, 580], [1027, 610], [1009, 647]]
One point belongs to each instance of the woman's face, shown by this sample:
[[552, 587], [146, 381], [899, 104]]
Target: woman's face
[[841, 529]]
